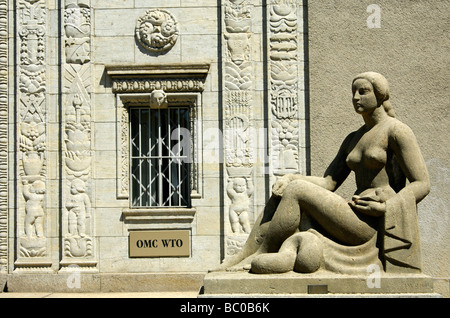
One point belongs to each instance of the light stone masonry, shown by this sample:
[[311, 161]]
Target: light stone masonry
[[256, 91]]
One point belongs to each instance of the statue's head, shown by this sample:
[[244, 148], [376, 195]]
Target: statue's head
[[380, 87], [240, 185], [158, 99], [38, 187], [77, 186], [379, 83]]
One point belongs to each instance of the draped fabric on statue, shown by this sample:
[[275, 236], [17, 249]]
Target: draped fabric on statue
[[399, 237], [343, 259], [401, 243]]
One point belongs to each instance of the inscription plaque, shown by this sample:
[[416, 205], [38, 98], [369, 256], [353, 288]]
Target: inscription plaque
[[159, 243]]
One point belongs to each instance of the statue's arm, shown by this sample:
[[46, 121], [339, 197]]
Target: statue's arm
[[230, 191], [337, 171], [87, 204], [334, 176], [404, 144], [26, 190], [250, 187]]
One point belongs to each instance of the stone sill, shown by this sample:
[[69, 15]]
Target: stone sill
[[159, 215], [126, 70]]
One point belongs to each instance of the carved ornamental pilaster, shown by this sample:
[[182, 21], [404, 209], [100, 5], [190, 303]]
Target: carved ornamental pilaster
[[78, 242], [33, 244], [4, 135], [238, 128], [285, 59]]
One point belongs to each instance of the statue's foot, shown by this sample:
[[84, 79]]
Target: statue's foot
[[273, 263], [244, 265], [239, 267], [227, 264], [235, 264], [220, 268]]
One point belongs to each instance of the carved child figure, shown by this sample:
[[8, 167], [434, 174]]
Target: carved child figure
[[34, 211], [239, 191], [79, 207]]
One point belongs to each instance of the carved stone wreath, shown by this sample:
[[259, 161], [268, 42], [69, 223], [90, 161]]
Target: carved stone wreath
[[157, 30]]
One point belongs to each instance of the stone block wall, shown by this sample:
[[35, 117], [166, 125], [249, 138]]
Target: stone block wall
[[278, 71]]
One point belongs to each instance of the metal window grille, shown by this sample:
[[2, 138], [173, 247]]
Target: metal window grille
[[160, 175]]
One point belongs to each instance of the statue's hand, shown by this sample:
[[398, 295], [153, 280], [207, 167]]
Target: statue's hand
[[280, 185], [370, 205]]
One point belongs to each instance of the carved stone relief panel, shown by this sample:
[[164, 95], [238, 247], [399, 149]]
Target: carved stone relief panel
[[77, 217], [238, 75], [77, 29], [284, 27], [32, 221], [283, 62], [4, 135], [157, 30]]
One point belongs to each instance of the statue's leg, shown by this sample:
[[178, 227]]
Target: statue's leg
[[309, 254], [244, 222], [29, 225], [284, 223], [39, 224], [234, 221], [281, 262], [270, 235], [301, 252], [280, 221], [331, 211], [255, 238]]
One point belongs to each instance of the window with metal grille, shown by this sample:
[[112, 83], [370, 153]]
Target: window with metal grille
[[160, 175]]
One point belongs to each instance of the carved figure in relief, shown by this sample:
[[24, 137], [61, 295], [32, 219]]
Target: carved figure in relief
[[283, 17], [306, 226], [158, 99], [284, 104], [34, 213], [239, 190], [79, 208]]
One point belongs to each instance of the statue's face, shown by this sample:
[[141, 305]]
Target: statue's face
[[240, 185], [158, 98], [364, 99]]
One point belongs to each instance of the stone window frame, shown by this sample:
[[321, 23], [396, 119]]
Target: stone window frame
[[133, 86]]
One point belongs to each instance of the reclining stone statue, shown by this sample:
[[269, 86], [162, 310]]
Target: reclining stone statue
[[305, 226]]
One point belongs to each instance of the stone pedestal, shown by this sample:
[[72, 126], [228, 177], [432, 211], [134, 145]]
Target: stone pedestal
[[2, 282], [82, 282], [321, 284]]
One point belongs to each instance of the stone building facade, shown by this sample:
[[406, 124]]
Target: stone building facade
[[132, 117]]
